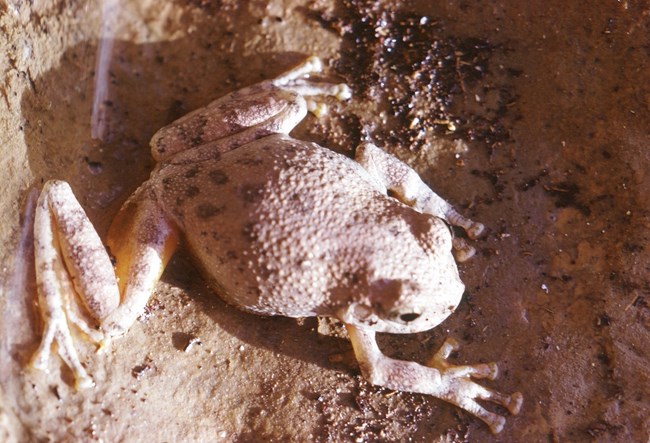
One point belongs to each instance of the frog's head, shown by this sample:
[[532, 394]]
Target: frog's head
[[414, 290], [408, 310]]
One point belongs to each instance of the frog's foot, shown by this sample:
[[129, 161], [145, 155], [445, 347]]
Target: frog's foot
[[297, 80], [439, 379], [463, 392], [57, 331], [269, 107], [60, 314], [312, 92]]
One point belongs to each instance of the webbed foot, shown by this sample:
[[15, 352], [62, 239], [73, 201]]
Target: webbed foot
[[298, 80], [463, 392], [438, 378]]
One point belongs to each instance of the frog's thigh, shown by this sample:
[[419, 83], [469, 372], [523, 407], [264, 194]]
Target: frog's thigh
[[142, 241], [409, 188], [70, 258]]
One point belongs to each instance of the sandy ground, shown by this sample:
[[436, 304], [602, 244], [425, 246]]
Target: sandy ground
[[550, 104]]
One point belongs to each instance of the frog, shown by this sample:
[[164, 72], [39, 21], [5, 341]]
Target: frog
[[278, 227]]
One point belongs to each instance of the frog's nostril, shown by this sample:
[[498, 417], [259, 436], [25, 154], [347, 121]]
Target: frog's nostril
[[409, 317]]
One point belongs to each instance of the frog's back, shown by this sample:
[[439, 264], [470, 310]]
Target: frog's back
[[266, 220]]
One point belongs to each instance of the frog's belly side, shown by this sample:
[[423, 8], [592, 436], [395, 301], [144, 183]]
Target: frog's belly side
[[267, 221]]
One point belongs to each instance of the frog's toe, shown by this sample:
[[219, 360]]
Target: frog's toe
[[463, 391], [312, 64], [298, 80], [309, 88], [309, 66], [475, 230], [481, 370], [515, 402], [462, 251], [83, 382], [344, 92], [58, 331], [317, 108]]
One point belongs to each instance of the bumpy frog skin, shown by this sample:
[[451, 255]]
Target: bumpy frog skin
[[279, 227]]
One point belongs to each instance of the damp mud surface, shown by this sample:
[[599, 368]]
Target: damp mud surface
[[530, 117]]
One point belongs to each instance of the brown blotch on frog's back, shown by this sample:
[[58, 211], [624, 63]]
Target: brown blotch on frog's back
[[192, 191], [190, 173], [207, 210], [194, 133], [218, 177], [168, 183], [251, 193]]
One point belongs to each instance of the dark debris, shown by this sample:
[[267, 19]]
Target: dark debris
[[408, 65]]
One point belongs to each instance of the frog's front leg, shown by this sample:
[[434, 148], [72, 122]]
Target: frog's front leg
[[76, 283], [405, 184], [439, 378]]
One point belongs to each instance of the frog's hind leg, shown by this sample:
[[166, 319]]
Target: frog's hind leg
[[78, 289], [270, 107], [406, 185], [70, 259], [230, 122]]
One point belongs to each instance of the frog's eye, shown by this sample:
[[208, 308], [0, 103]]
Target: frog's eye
[[404, 317], [411, 316]]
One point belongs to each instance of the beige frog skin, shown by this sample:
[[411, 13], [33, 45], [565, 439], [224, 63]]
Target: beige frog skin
[[279, 227]]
